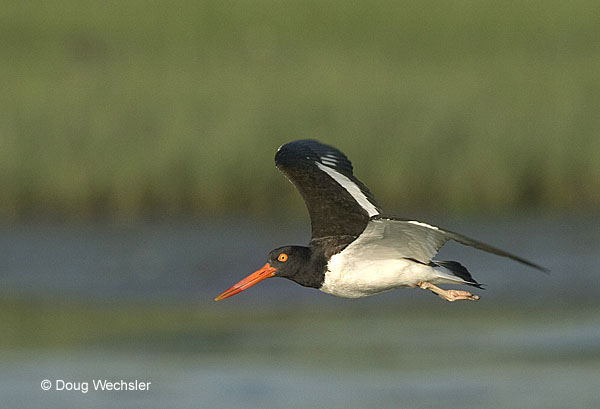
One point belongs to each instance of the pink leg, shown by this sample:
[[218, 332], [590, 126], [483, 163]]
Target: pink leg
[[449, 295]]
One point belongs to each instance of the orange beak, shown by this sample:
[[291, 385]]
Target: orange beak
[[265, 272]]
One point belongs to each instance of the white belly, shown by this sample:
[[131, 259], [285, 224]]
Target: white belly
[[353, 277]]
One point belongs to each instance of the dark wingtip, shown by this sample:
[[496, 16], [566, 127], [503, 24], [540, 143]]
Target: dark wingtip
[[543, 270], [490, 249], [536, 266]]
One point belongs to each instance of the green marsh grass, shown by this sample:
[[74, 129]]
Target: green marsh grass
[[125, 108]]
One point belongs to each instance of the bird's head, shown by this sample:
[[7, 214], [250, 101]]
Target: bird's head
[[283, 262]]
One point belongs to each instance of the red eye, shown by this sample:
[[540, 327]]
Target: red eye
[[282, 257]]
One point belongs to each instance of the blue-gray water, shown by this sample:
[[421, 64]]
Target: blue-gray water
[[533, 340]]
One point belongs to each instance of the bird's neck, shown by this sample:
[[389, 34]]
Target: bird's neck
[[312, 272]]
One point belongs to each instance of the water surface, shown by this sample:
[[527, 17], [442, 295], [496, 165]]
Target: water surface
[[135, 302]]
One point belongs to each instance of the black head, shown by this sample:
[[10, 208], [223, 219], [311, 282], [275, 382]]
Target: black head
[[296, 263], [289, 260]]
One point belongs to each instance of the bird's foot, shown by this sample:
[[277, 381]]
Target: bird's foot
[[448, 295]]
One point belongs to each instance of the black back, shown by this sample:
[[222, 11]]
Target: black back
[[333, 208]]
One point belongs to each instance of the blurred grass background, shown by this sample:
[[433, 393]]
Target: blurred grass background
[[174, 110], [119, 109]]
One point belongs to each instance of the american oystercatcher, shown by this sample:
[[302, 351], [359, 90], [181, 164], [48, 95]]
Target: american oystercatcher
[[356, 250]]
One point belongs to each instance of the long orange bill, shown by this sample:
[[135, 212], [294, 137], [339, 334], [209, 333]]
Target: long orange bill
[[265, 272]]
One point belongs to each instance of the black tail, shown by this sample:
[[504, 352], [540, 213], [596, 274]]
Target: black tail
[[458, 270]]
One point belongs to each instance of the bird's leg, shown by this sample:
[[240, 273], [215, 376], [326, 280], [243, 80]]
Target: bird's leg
[[449, 295]]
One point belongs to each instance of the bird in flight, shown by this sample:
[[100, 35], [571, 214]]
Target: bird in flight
[[356, 250]]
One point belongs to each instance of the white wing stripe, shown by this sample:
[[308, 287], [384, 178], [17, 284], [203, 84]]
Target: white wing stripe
[[351, 188], [422, 224]]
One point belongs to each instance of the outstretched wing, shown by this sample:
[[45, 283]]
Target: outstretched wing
[[421, 241], [337, 202]]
